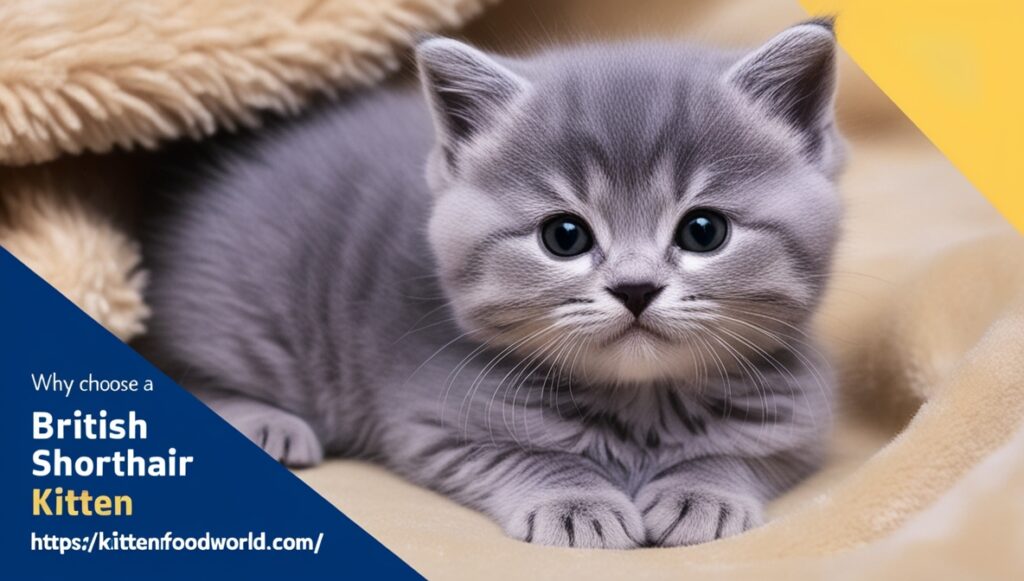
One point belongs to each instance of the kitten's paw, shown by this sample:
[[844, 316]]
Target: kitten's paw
[[690, 517], [599, 520], [286, 437]]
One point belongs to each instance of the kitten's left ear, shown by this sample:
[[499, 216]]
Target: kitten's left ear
[[468, 89], [793, 77]]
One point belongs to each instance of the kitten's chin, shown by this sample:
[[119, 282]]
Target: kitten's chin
[[636, 362]]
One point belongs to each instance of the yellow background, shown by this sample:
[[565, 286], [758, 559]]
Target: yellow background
[[956, 68]]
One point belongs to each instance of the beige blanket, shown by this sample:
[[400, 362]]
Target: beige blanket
[[925, 317]]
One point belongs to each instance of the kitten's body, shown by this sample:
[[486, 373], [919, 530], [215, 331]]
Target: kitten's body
[[300, 295]]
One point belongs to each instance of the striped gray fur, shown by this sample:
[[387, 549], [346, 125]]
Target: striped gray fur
[[370, 281]]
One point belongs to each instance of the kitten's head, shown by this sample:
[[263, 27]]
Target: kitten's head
[[633, 210]]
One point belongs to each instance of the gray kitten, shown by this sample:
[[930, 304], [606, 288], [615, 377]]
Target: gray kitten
[[570, 291]]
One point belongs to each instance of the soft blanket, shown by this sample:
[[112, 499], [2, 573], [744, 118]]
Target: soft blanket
[[925, 317]]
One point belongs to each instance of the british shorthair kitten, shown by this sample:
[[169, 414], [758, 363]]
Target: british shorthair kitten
[[571, 291]]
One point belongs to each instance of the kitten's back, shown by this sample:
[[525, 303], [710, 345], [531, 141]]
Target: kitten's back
[[244, 267]]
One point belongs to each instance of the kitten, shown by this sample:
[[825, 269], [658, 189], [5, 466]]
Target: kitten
[[570, 291]]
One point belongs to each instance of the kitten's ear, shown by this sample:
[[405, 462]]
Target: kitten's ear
[[466, 88], [793, 76]]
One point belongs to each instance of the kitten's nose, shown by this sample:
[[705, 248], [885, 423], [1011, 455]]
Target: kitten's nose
[[636, 295]]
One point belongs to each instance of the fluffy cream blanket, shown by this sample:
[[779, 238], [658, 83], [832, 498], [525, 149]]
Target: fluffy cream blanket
[[925, 317]]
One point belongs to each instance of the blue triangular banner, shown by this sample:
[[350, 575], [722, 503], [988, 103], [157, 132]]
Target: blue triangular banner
[[231, 489]]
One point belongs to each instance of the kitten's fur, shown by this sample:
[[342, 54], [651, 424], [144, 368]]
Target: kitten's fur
[[323, 298]]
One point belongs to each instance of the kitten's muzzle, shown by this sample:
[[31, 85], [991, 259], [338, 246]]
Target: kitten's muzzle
[[636, 296]]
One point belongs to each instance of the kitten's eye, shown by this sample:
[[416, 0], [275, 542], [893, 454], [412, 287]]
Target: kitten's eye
[[701, 231], [566, 235]]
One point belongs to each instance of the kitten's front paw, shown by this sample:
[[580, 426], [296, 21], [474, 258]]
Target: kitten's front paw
[[690, 517], [599, 520], [287, 438]]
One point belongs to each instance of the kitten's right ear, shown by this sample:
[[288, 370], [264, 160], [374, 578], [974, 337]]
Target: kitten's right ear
[[467, 89]]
